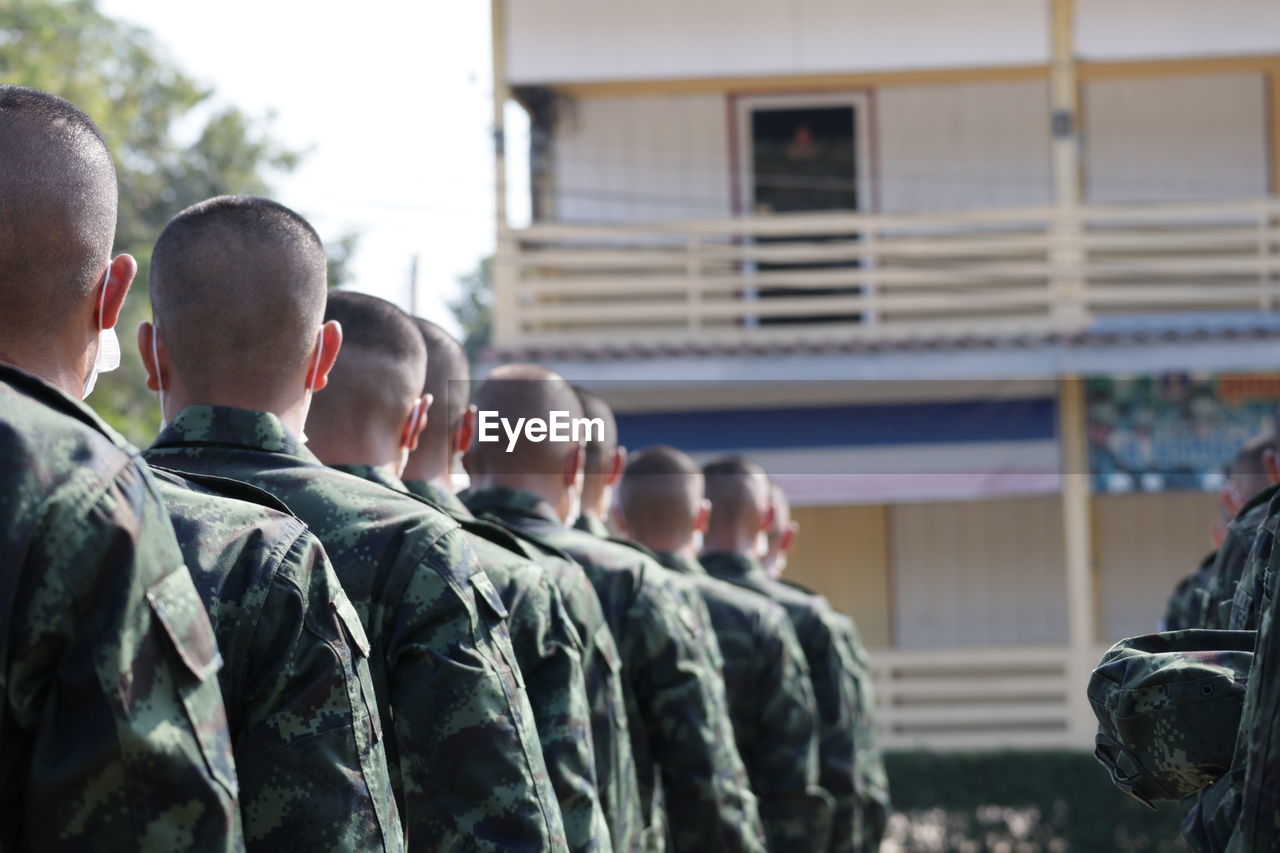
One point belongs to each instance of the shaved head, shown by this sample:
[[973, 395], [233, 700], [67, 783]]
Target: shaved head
[[660, 496], [598, 454], [238, 288], [523, 391], [379, 373], [57, 210], [448, 382], [1248, 472], [739, 493]]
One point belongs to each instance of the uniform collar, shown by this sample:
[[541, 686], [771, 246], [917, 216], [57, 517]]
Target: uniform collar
[[680, 563], [734, 565], [507, 500], [438, 495], [58, 400], [593, 525], [232, 427], [374, 474]]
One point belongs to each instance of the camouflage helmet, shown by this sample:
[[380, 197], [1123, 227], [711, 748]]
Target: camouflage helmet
[[1168, 706]]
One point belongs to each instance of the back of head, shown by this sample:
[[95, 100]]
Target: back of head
[[1248, 474], [511, 393], [379, 372], [660, 496], [238, 289], [448, 382], [57, 211], [739, 493], [598, 454]]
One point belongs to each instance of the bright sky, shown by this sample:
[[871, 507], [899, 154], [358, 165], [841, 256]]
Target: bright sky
[[391, 98]]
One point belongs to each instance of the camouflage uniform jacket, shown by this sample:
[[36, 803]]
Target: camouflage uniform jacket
[[1237, 570], [113, 734], [1254, 802], [873, 781], [590, 524], [1188, 602], [834, 689], [766, 681], [299, 699], [465, 761], [548, 651], [679, 722], [615, 764]]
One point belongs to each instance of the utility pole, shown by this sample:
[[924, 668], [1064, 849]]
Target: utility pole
[[413, 285]]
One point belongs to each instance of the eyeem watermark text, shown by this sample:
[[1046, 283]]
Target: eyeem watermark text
[[557, 427]]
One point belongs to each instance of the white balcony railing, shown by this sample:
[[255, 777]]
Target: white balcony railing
[[871, 276]]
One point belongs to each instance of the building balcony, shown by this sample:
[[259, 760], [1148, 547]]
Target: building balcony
[[823, 280]]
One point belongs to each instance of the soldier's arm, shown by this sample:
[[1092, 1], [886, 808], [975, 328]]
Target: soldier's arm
[[313, 745], [470, 762], [1257, 765], [112, 686], [835, 696], [796, 813], [708, 802], [549, 652]]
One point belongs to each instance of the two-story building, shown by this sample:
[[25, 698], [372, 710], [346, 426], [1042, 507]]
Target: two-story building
[[881, 246]]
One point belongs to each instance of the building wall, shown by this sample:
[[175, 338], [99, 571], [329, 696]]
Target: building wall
[[982, 573], [553, 41], [1144, 545], [1176, 138], [843, 551], [1141, 29], [950, 147]]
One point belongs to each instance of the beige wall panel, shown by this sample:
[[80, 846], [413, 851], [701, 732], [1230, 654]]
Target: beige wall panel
[[1144, 545], [1175, 138], [842, 553], [958, 146], [980, 573]]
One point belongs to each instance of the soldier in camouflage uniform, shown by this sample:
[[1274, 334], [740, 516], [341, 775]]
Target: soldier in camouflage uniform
[[660, 505], [873, 782], [113, 734], [377, 404], [238, 287], [739, 494], [678, 721], [1204, 600], [602, 466], [296, 685]]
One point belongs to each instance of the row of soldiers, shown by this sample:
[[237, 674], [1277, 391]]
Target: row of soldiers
[[279, 627], [1191, 714]]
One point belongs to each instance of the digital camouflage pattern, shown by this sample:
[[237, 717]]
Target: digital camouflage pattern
[[1231, 564], [1168, 707], [113, 734], [1253, 803], [1255, 587], [465, 761], [1189, 601], [296, 684], [872, 780], [549, 653], [602, 664], [590, 524], [834, 690], [770, 697], [680, 730]]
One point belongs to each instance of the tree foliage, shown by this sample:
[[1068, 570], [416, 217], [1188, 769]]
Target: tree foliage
[[473, 308], [172, 148]]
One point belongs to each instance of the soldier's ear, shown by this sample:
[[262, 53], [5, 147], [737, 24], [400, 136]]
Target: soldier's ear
[[415, 423], [617, 465], [465, 431], [146, 331], [573, 465], [766, 518], [702, 517], [1271, 462], [788, 537]]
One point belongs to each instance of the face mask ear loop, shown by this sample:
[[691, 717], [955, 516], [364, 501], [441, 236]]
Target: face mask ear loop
[[92, 379]]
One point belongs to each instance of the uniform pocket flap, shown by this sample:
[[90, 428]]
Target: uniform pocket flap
[[486, 590], [177, 605], [351, 621]]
